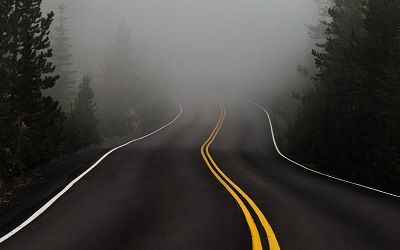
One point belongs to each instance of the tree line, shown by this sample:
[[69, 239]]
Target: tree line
[[347, 122], [44, 110]]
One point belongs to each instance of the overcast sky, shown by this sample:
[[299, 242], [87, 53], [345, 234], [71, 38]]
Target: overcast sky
[[201, 41]]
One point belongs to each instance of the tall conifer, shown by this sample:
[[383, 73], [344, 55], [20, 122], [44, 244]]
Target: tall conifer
[[63, 90], [34, 121], [348, 123], [85, 109], [118, 93]]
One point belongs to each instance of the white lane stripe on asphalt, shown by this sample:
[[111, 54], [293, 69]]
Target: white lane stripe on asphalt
[[277, 149], [52, 200]]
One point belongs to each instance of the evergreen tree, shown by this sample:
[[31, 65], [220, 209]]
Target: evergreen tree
[[346, 123], [377, 105], [118, 93], [318, 32], [85, 114], [324, 115], [33, 122], [5, 111], [71, 132], [63, 91]]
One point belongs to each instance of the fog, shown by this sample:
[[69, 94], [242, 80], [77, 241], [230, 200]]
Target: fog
[[245, 44]]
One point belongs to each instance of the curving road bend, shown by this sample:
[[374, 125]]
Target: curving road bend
[[159, 193]]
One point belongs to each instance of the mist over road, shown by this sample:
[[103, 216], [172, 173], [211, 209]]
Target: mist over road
[[157, 193]]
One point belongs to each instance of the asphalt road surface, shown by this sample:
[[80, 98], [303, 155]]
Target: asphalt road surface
[[166, 192]]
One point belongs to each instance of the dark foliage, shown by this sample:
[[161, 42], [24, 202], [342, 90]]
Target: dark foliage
[[31, 124], [85, 115], [346, 123], [63, 90]]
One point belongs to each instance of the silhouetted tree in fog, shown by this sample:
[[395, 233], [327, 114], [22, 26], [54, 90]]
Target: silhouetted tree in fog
[[117, 93], [33, 122], [63, 90], [85, 114], [377, 108], [346, 122], [6, 121]]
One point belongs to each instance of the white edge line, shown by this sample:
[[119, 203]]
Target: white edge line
[[52, 200], [277, 149]]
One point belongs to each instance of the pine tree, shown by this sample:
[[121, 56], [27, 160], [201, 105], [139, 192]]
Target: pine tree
[[377, 105], [85, 114], [34, 122], [348, 122], [63, 91], [391, 95], [6, 159], [71, 133], [118, 93], [324, 117]]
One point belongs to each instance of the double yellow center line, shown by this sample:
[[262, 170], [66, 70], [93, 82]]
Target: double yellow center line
[[238, 194]]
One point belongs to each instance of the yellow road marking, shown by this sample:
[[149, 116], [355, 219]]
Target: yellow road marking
[[256, 241]]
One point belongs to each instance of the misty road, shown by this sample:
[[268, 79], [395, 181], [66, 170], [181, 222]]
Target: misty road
[[159, 193]]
